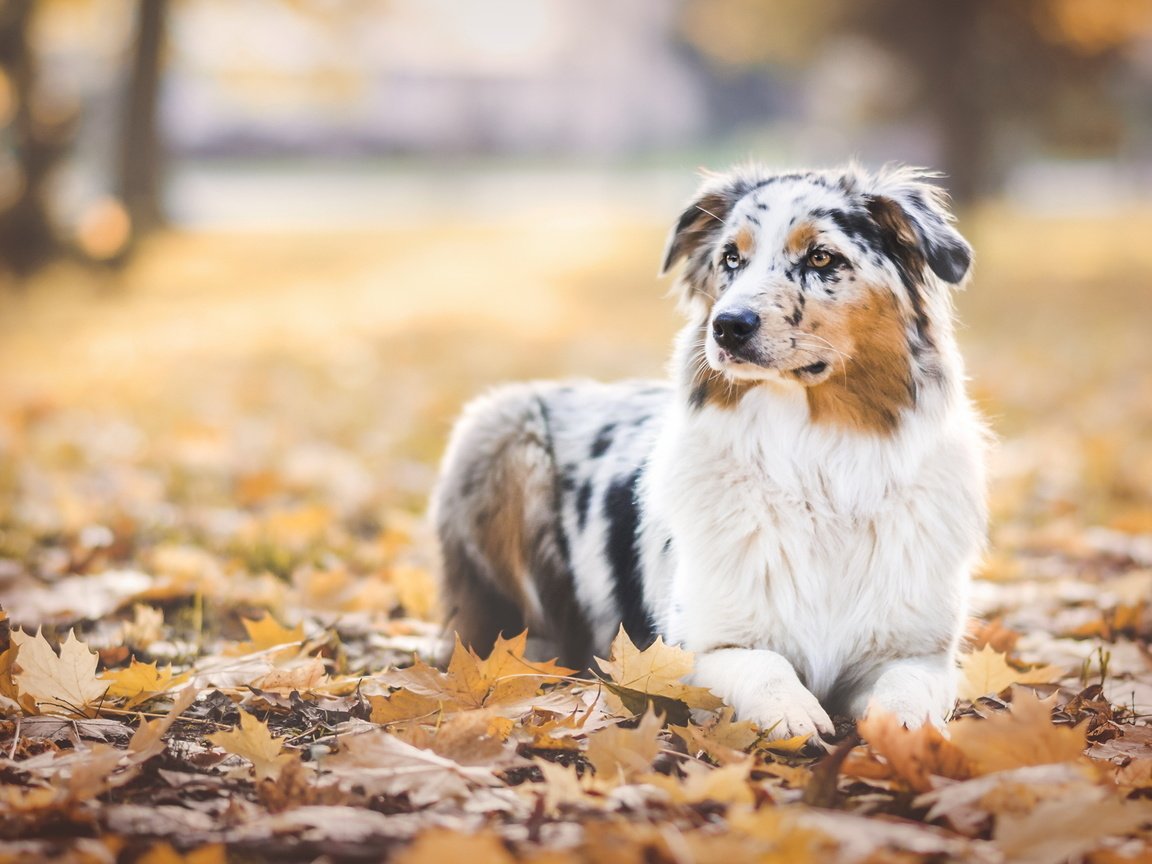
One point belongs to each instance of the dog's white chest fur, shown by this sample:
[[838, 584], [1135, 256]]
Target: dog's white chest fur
[[807, 536]]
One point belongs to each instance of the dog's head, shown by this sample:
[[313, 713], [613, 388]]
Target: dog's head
[[819, 275]]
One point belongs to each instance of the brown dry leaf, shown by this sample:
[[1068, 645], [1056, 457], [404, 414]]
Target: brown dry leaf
[[163, 853], [8, 688], [620, 754], [384, 765], [722, 739], [915, 755], [986, 673], [468, 737], [148, 740], [57, 684], [654, 675], [1064, 828], [441, 846], [302, 677], [504, 677], [992, 634], [546, 729], [140, 682], [93, 772], [1137, 774], [253, 741], [402, 705], [1025, 735]]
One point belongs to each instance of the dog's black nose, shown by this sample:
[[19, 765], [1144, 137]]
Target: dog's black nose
[[733, 329]]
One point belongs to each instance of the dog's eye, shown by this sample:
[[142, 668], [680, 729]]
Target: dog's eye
[[819, 258], [732, 260]]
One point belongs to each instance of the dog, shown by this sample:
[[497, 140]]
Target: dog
[[801, 506]]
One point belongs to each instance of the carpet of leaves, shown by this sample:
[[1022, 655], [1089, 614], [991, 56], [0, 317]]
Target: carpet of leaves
[[219, 637]]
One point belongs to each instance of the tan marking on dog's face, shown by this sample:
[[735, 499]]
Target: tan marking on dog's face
[[867, 390], [745, 240], [800, 239]]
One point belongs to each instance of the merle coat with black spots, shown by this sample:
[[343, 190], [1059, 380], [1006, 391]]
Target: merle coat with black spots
[[800, 506]]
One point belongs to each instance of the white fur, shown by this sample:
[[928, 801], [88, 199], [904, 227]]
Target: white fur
[[820, 550]]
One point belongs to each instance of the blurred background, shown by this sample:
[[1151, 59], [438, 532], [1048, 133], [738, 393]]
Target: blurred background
[[256, 253]]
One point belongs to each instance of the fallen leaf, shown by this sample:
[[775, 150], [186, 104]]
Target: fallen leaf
[[965, 804], [986, 673], [505, 676], [148, 740], [140, 682], [915, 755], [382, 764], [57, 684], [266, 633], [400, 705], [1023, 735], [302, 677], [253, 741], [722, 739], [619, 754], [654, 676], [1063, 829]]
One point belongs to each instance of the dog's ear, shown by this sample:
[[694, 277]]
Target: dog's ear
[[704, 216], [913, 216]]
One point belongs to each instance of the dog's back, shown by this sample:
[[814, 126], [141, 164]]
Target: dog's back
[[537, 515]]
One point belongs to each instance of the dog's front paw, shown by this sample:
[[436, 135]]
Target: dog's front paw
[[788, 712], [915, 695], [912, 711]]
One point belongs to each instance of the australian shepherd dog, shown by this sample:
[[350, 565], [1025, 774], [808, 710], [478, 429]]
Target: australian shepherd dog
[[801, 506]]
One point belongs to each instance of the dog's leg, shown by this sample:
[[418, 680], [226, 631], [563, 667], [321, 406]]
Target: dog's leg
[[763, 687], [917, 690]]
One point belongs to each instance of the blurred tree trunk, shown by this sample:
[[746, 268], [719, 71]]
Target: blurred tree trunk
[[28, 150], [942, 43], [141, 148]]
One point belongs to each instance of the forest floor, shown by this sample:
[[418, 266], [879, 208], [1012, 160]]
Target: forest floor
[[213, 467]]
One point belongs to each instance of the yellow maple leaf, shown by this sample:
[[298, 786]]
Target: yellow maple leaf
[[504, 677], [657, 671], [57, 684], [1022, 736], [266, 633], [914, 755], [986, 672], [140, 682], [253, 741]]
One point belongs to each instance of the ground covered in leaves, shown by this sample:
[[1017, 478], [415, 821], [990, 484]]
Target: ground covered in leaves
[[220, 635]]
